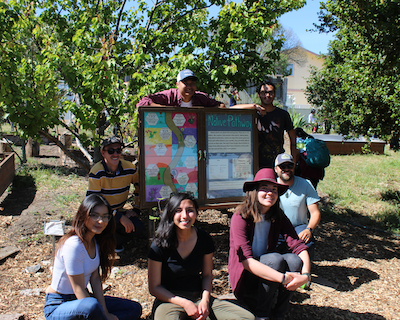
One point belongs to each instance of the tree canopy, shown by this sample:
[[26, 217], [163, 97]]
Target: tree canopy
[[90, 46], [358, 87]]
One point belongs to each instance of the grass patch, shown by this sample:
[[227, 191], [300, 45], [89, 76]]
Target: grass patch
[[63, 188], [67, 199], [365, 188], [53, 178], [40, 235]]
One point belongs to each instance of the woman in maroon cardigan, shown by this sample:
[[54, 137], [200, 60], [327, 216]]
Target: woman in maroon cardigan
[[257, 272]]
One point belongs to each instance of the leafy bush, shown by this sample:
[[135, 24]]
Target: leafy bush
[[255, 98], [297, 119]]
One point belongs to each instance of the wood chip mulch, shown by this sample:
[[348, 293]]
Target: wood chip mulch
[[359, 269]]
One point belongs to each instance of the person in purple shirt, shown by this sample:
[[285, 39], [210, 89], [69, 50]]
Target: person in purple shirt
[[257, 272], [184, 95]]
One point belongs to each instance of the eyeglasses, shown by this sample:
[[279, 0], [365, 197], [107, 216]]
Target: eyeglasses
[[284, 166], [268, 188], [112, 150], [97, 217], [264, 93]]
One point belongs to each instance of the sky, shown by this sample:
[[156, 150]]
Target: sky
[[301, 20]]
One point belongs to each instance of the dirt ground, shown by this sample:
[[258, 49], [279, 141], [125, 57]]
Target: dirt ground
[[355, 272]]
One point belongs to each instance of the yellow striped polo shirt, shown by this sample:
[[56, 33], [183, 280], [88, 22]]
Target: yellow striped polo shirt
[[113, 186]]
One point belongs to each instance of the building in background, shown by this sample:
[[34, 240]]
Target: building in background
[[290, 89], [300, 60]]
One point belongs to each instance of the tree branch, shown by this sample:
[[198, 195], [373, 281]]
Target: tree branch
[[183, 15], [119, 20], [65, 126], [78, 142], [156, 4], [173, 23]]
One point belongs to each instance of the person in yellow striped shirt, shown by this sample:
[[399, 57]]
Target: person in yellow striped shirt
[[112, 178]]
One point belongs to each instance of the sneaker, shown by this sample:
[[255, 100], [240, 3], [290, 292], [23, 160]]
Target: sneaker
[[119, 249]]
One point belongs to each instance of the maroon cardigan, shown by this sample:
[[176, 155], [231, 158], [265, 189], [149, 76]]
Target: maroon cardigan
[[241, 238], [172, 97]]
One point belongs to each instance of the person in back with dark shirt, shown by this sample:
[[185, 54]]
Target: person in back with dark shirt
[[272, 122], [271, 128]]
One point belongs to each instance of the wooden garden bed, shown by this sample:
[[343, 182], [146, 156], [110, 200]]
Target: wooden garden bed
[[7, 170]]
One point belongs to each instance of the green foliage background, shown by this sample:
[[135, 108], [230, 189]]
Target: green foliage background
[[92, 46], [359, 86]]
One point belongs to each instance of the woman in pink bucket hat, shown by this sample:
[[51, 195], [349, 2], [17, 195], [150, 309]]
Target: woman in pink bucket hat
[[260, 277]]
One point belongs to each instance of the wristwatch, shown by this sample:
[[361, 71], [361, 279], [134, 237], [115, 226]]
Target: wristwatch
[[308, 275], [311, 230], [283, 279]]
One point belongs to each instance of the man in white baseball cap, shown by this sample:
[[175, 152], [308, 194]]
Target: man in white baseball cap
[[184, 95]]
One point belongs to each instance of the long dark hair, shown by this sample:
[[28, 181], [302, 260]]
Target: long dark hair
[[166, 232], [250, 208], [105, 240], [302, 134]]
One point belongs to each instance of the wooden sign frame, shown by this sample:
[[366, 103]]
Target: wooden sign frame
[[210, 152]]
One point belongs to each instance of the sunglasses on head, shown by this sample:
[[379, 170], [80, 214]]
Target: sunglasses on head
[[284, 166], [112, 150]]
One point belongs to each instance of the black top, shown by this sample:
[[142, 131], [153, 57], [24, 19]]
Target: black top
[[183, 274], [270, 135]]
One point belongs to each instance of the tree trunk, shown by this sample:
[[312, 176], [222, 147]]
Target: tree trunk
[[23, 151], [65, 149], [32, 148]]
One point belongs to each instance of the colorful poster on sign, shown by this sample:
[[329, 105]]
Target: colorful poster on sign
[[229, 143], [170, 145]]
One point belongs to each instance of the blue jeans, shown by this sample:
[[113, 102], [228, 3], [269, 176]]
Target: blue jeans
[[267, 298], [67, 307]]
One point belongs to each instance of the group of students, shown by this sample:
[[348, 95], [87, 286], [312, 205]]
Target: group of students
[[180, 261]]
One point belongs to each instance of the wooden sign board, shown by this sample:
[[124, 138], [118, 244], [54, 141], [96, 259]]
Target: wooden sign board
[[209, 152]]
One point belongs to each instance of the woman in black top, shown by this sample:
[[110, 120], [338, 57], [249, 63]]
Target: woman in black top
[[180, 267]]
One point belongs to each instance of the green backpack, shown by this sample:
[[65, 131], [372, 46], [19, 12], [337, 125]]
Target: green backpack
[[317, 153]]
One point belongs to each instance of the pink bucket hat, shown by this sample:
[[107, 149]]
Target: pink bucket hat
[[264, 175]]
